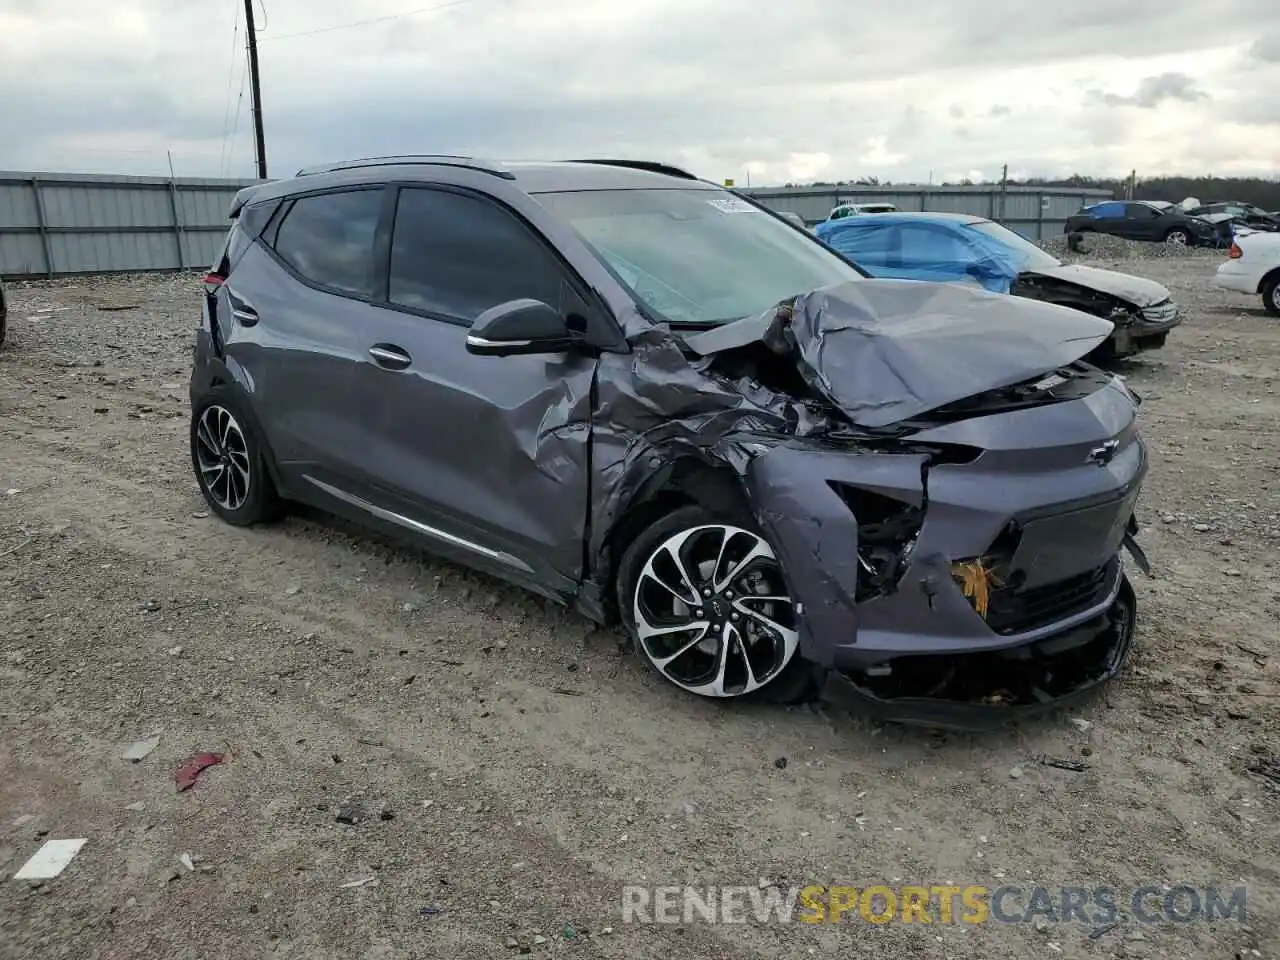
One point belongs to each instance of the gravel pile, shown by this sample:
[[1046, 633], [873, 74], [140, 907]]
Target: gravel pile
[[1101, 245]]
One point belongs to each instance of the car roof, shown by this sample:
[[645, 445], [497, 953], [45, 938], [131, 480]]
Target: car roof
[[561, 176], [921, 217], [547, 176]]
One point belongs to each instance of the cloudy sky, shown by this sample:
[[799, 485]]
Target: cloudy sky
[[803, 90]]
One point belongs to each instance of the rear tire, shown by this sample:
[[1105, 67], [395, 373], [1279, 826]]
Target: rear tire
[[1271, 294], [707, 620], [229, 461]]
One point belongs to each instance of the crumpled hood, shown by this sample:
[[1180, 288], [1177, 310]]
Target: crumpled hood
[[883, 351], [1136, 290]]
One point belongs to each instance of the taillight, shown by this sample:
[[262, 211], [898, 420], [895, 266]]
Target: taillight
[[1235, 253], [214, 279]]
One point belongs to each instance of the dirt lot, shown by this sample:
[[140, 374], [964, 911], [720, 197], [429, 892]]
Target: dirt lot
[[514, 770]]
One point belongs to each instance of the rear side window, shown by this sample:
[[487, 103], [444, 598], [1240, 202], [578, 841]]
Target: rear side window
[[457, 255], [328, 239]]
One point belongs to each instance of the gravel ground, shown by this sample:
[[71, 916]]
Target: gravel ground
[[511, 771]]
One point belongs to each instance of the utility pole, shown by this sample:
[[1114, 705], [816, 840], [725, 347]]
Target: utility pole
[[255, 91], [1004, 191]]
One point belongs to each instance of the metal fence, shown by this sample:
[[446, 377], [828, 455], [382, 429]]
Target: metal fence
[[1036, 212], [57, 224]]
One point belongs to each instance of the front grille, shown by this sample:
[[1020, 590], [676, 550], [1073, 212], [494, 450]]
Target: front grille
[[1012, 610], [1161, 312]]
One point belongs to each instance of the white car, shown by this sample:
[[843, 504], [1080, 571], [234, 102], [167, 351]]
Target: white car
[[1254, 268], [859, 210]]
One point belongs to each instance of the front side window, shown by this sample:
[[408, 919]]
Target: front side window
[[698, 256], [328, 239], [457, 255], [1036, 259]]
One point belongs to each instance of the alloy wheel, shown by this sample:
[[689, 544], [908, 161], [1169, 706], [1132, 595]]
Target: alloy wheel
[[712, 611], [1177, 238], [222, 455]]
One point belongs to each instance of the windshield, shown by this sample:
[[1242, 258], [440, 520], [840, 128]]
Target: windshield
[[699, 256], [1037, 259]]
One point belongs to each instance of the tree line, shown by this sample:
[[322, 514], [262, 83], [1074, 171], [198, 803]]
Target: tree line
[[1264, 193], [1259, 191]]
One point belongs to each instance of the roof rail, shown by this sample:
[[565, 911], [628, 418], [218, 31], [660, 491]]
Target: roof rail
[[446, 160], [653, 166]]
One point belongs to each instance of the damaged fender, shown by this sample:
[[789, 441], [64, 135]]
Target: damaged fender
[[815, 532]]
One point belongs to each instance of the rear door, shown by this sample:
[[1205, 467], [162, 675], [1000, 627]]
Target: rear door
[[301, 306], [487, 457]]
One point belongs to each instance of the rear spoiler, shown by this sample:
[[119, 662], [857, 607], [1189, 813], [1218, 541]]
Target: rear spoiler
[[242, 197]]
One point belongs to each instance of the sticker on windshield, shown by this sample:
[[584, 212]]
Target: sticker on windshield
[[732, 205]]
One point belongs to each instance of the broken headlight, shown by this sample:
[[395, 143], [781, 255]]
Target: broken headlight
[[887, 533]]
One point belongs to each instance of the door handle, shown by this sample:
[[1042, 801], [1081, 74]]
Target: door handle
[[389, 356]]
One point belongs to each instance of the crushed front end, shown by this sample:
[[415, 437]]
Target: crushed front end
[[948, 486], [970, 570], [1142, 316]]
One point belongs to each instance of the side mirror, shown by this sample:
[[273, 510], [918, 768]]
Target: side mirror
[[520, 327]]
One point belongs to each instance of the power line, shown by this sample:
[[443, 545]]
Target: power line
[[231, 151], [231, 79], [365, 23]]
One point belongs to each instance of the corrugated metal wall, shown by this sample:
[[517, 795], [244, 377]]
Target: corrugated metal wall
[[55, 224], [1036, 212]]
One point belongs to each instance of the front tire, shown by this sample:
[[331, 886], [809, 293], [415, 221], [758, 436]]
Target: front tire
[[704, 599], [1178, 238], [229, 463]]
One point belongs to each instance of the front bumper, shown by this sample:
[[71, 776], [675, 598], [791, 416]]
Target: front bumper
[[1146, 329], [1047, 522], [1213, 235], [987, 691]]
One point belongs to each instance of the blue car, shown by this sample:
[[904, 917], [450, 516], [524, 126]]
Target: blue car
[[962, 248]]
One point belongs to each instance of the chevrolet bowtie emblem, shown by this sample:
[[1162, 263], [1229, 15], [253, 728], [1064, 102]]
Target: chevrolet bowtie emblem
[[1102, 455]]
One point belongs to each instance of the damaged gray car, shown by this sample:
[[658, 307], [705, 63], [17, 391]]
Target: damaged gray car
[[634, 392]]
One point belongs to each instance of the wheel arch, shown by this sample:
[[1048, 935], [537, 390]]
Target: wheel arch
[[684, 481], [1271, 275], [221, 378]]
